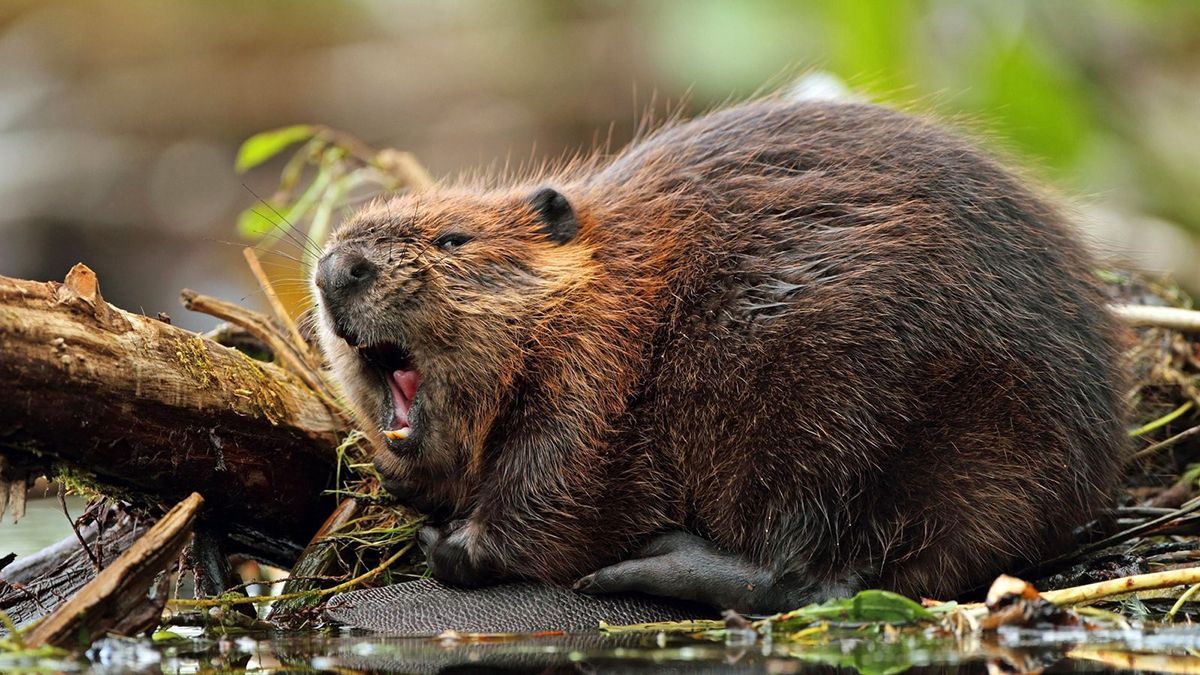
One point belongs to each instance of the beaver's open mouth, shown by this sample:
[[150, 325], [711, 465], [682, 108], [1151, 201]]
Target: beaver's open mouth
[[403, 379]]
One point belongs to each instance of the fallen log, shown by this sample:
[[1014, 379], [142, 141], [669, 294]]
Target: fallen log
[[151, 413]]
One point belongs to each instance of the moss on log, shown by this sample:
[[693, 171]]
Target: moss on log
[[154, 413]]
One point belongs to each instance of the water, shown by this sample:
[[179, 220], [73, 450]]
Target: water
[[869, 651], [43, 524]]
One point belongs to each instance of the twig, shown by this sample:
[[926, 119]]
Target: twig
[[1089, 593], [685, 626], [1173, 318], [1162, 421], [116, 600], [1132, 662], [262, 599], [62, 499], [405, 166], [402, 165], [1147, 526], [1151, 449], [29, 595], [277, 307], [1141, 511], [1124, 535], [1187, 595]]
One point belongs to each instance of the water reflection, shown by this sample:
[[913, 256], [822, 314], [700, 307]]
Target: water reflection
[[864, 651]]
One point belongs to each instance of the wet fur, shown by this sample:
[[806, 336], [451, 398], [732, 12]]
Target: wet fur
[[830, 338]]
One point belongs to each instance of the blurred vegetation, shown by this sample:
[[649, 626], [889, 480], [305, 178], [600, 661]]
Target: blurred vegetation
[[1101, 96], [1098, 98]]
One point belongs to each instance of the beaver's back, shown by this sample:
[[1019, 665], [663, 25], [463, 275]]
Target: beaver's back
[[876, 350]]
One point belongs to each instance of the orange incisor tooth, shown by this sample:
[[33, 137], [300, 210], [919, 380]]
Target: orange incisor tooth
[[397, 434]]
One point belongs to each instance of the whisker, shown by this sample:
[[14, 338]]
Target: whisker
[[287, 232], [304, 264], [242, 244], [307, 244]]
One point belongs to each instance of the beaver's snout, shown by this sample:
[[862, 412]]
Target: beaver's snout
[[341, 277], [344, 274]]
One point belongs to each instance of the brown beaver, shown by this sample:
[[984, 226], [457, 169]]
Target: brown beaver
[[779, 352]]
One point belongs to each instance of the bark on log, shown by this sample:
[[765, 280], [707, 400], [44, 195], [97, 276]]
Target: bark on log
[[157, 412]]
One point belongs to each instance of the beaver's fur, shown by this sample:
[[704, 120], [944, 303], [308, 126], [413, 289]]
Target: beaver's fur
[[833, 340]]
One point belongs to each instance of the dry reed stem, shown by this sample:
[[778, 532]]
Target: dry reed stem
[[281, 313], [1089, 593], [1175, 318]]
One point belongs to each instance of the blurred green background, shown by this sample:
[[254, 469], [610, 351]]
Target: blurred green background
[[119, 119]]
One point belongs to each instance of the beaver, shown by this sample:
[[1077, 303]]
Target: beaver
[[770, 355]]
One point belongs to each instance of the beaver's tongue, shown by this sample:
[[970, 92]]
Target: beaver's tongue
[[403, 384]]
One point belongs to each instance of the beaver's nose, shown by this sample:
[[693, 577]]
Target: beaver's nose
[[342, 274]]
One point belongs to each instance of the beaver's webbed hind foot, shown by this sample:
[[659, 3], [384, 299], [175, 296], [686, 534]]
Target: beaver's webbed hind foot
[[684, 566]]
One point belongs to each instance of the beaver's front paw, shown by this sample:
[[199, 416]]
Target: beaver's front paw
[[454, 555]]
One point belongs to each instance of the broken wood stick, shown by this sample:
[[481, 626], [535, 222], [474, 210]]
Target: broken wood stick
[[34, 585], [151, 413], [117, 600]]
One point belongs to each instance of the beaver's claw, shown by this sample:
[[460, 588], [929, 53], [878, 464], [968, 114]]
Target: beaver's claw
[[454, 556]]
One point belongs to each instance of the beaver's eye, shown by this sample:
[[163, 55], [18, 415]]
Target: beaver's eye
[[451, 240]]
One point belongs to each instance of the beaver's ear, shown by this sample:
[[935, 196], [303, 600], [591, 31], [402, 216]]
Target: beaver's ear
[[556, 215]]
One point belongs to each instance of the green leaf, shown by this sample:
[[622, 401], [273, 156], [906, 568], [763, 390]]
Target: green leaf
[[253, 223], [866, 607], [867, 657], [270, 223], [886, 607], [165, 636], [295, 166], [263, 146], [318, 229]]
